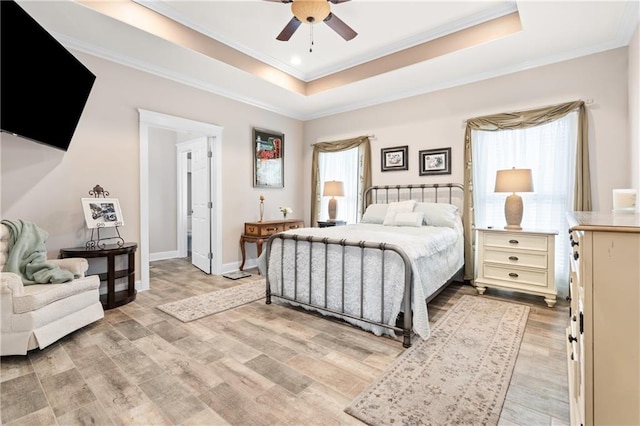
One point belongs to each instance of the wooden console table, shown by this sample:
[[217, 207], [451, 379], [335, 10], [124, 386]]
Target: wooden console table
[[259, 232], [113, 298]]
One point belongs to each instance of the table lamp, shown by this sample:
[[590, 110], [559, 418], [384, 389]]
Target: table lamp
[[333, 188], [513, 180]]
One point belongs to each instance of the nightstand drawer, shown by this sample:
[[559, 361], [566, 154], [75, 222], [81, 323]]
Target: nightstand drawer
[[523, 276], [514, 257], [519, 241]]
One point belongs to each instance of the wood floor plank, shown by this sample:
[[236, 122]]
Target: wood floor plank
[[256, 364]]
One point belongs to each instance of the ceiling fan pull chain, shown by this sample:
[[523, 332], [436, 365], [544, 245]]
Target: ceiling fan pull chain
[[311, 37]]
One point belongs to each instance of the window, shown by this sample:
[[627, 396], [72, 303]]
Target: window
[[549, 150], [342, 166]]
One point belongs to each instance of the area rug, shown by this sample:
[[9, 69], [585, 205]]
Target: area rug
[[459, 375], [195, 307]]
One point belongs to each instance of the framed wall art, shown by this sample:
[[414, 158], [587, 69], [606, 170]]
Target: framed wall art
[[268, 159], [102, 212], [394, 158], [435, 161]]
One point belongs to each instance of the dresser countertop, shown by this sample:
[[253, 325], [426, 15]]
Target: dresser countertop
[[604, 221]]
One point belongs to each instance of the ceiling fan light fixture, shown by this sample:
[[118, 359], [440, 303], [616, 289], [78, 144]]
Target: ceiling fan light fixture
[[310, 11]]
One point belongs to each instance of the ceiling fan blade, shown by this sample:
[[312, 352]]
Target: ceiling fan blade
[[282, 1], [289, 29], [338, 1], [337, 25]]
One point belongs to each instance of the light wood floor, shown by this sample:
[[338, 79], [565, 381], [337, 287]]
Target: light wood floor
[[254, 365]]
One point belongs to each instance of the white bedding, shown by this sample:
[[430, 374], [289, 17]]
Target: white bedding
[[436, 254]]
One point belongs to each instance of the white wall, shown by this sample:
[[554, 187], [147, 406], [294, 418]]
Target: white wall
[[44, 185], [435, 120]]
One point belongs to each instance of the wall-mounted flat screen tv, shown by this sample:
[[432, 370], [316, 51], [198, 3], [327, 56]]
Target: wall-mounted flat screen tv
[[43, 87]]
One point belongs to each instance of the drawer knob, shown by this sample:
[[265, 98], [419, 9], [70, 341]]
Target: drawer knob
[[574, 318], [513, 275], [575, 255], [572, 339], [574, 243], [568, 298], [513, 241], [514, 258]]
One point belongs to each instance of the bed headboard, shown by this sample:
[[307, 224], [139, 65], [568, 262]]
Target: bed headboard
[[451, 193]]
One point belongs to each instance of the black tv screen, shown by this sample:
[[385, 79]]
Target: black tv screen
[[43, 87]]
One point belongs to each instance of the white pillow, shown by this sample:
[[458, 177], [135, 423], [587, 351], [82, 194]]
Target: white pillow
[[395, 208], [375, 213], [414, 219], [439, 214]]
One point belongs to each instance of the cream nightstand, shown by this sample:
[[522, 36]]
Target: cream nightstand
[[523, 261]]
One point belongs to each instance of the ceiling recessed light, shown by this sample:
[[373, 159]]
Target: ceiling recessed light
[[295, 60]]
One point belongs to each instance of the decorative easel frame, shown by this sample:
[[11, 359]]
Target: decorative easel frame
[[99, 242]]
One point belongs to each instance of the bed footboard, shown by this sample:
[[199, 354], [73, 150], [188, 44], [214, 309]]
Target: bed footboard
[[324, 245]]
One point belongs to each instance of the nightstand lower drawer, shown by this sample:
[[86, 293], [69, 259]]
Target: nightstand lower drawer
[[530, 259], [524, 276]]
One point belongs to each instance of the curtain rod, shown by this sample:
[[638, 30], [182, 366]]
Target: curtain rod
[[372, 136]]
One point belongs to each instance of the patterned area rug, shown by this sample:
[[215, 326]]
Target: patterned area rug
[[459, 375], [193, 308]]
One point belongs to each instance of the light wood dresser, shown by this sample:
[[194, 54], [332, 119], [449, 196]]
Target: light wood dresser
[[259, 232], [523, 261], [603, 337]]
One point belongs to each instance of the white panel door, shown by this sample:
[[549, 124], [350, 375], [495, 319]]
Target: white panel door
[[200, 198]]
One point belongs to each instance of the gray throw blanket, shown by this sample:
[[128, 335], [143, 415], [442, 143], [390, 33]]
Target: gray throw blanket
[[28, 255]]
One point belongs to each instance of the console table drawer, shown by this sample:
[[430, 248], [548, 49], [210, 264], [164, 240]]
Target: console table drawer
[[263, 230]]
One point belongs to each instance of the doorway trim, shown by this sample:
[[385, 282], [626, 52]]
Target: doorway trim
[[151, 119]]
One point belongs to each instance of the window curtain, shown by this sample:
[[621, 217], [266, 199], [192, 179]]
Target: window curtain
[[521, 120], [343, 166], [364, 155]]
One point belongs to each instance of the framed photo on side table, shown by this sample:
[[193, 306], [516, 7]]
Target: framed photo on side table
[[394, 158], [102, 212], [268, 159], [435, 161]]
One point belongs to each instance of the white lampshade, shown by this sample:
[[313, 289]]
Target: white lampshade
[[333, 188], [514, 180], [310, 11]]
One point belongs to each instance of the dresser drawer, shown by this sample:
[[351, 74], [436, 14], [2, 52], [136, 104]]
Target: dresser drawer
[[263, 229], [514, 275], [516, 241], [515, 257]]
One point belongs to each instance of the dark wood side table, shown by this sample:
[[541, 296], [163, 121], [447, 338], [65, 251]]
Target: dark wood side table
[[330, 223], [113, 298], [259, 232]]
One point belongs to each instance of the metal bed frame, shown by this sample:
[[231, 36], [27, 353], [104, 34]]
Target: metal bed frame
[[371, 195]]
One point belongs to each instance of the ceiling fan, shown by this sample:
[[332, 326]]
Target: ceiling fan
[[311, 12]]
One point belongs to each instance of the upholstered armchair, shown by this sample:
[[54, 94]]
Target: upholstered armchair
[[37, 315]]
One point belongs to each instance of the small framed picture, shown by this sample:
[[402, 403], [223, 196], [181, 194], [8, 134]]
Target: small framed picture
[[435, 161], [102, 212], [394, 158]]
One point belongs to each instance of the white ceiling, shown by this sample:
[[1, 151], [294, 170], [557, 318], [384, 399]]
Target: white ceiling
[[551, 32]]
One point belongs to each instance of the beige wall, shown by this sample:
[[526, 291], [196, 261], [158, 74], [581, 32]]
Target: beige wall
[[162, 191], [634, 109], [44, 185], [435, 120]]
